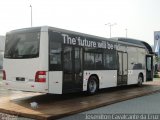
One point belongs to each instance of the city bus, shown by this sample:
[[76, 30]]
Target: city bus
[[57, 61]]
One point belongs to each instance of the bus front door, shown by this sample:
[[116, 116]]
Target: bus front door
[[149, 67], [72, 69], [122, 68]]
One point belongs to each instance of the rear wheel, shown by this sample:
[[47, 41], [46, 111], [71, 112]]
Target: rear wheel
[[92, 85], [140, 80]]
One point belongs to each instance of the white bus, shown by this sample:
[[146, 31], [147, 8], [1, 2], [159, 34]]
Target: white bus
[[52, 60]]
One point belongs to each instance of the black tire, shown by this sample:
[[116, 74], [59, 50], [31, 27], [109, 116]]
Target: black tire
[[92, 85], [140, 80]]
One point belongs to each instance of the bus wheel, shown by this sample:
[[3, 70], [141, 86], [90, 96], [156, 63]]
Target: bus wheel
[[92, 85], [140, 80]]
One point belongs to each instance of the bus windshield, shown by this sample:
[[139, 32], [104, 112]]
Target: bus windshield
[[22, 45]]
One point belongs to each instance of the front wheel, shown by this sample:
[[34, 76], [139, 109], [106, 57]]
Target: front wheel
[[92, 85], [140, 80]]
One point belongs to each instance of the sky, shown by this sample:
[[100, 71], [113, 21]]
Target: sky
[[140, 17]]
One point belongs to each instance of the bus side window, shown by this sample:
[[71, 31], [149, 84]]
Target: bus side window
[[77, 60], [149, 65], [89, 61], [110, 60], [98, 61], [67, 56], [55, 56]]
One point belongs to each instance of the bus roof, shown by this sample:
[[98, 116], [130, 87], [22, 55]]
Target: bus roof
[[121, 40], [127, 41], [136, 42]]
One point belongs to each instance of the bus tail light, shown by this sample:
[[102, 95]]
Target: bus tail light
[[4, 75], [40, 76]]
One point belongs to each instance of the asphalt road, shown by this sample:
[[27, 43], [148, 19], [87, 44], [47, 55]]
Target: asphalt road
[[146, 105]]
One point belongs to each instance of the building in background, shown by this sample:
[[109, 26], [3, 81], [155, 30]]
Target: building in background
[[157, 47], [2, 41], [157, 42]]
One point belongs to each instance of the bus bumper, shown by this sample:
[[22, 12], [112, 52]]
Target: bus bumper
[[26, 86]]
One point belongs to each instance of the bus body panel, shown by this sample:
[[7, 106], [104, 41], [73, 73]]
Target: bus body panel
[[107, 78], [23, 69], [133, 76], [20, 73], [26, 86], [55, 82]]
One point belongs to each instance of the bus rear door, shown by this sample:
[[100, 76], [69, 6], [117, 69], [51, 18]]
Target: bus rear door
[[72, 69]]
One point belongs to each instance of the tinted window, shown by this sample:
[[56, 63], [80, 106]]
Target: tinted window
[[89, 62], [67, 54], [110, 60], [149, 64], [77, 60], [22, 45], [55, 56], [98, 61]]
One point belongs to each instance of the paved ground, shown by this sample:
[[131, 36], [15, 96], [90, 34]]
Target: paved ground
[[142, 105], [149, 104], [3, 93]]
